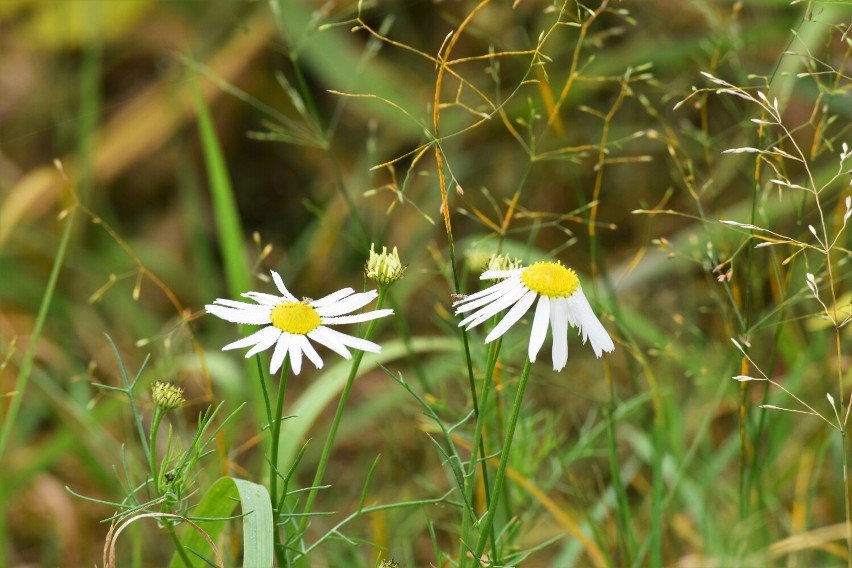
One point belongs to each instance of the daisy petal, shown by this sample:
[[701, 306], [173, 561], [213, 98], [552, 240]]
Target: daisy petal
[[279, 283], [539, 326], [271, 335], [253, 315], [484, 296], [350, 304], [355, 318], [350, 341], [332, 298], [559, 325], [311, 353], [251, 340], [589, 324], [295, 353], [280, 352], [323, 336], [234, 304], [512, 316], [495, 307], [264, 299]]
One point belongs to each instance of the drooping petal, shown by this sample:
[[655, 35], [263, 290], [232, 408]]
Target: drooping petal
[[512, 316], [323, 336], [539, 326], [269, 338], [279, 283], [252, 315], [264, 299], [482, 297], [559, 325], [311, 353], [495, 307], [295, 352], [589, 324], [355, 318], [347, 305], [280, 352], [332, 298]]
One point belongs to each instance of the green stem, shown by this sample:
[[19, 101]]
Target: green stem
[[152, 446], [846, 495], [485, 527], [335, 423], [178, 546], [477, 448], [275, 420], [626, 541]]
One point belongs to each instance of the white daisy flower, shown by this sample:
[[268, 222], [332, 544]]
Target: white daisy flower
[[560, 302], [291, 323]]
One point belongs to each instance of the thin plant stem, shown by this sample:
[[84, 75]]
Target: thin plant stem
[[488, 521], [152, 446], [845, 461], [335, 423], [626, 543], [184, 557], [156, 420], [262, 376], [478, 449], [275, 422]]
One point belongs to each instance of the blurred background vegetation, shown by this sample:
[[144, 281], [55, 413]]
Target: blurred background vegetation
[[552, 144]]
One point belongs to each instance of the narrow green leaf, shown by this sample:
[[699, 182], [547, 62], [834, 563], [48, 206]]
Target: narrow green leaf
[[219, 503], [224, 205]]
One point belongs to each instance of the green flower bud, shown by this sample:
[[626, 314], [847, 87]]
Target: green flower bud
[[384, 268], [502, 262], [167, 396]]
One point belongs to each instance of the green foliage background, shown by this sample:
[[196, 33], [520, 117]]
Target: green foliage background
[[560, 136]]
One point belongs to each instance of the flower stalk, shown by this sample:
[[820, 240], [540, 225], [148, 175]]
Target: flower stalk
[[335, 423], [499, 480]]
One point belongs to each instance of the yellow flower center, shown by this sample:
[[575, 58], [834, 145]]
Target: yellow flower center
[[550, 279], [295, 317]]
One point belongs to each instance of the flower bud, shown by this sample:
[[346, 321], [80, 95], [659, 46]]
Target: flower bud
[[167, 396], [502, 262], [384, 268]]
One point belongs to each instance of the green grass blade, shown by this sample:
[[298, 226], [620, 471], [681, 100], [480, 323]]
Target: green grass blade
[[229, 227], [29, 356], [224, 205]]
